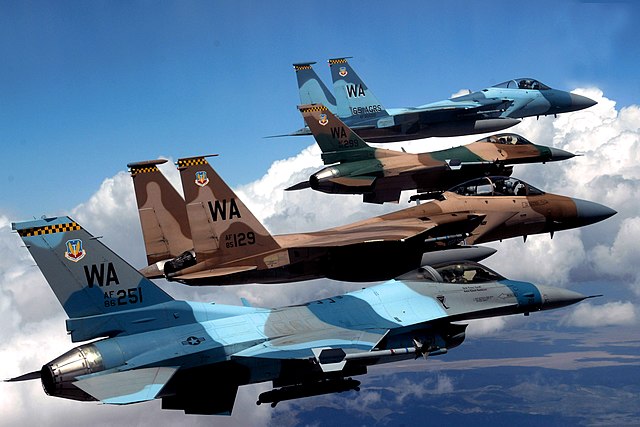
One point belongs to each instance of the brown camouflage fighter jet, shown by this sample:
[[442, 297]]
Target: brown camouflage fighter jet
[[354, 167], [225, 244]]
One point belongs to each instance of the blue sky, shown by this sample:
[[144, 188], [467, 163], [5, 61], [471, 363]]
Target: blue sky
[[86, 87]]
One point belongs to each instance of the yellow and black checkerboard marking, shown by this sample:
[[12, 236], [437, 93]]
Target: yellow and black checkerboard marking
[[302, 67], [194, 161], [148, 169], [314, 108], [49, 229], [337, 61]]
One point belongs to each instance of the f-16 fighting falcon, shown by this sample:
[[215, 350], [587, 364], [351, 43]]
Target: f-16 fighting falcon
[[380, 174], [491, 109], [225, 244], [194, 355]]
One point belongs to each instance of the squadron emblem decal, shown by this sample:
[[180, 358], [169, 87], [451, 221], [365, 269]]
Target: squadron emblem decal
[[323, 119], [343, 71], [201, 178], [75, 251]]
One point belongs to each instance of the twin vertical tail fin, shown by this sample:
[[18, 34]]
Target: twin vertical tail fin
[[353, 96], [336, 140], [163, 215], [311, 89], [87, 277], [222, 226]]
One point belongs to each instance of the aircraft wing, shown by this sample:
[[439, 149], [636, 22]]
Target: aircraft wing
[[365, 233], [470, 106], [121, 388], [214, 272], [448, 110], [300, 346], [497, 220], [392, 229]]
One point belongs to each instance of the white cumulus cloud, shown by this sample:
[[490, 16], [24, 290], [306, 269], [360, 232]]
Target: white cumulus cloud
[[33, 322], [587, 315]]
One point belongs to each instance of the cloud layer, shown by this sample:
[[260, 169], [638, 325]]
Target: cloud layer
[[33, 323]]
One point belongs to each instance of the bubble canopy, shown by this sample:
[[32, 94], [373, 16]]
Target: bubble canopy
[[506, 139], [496, 186], [458, 272], [524, 83]]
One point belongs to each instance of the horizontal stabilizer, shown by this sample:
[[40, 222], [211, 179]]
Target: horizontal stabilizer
[[214, 272], [299, 132], [125, 387], [35, 375], [145, 164], [299, 186]]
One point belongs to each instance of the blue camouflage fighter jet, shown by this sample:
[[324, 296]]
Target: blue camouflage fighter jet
[[145, 345], [488, 110]]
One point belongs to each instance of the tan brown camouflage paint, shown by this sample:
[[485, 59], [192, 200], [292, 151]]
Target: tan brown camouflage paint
[[505, 216], [224, 255], [163, 217], [222, 227], [389, 172]]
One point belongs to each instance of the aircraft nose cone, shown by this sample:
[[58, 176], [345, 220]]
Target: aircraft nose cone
[[591, 212], [579, 102], [558, 297], [558, 154]]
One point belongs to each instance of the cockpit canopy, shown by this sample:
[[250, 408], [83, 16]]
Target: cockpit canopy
[[459, 272], [496, 186], [525, 83], [506, 139]]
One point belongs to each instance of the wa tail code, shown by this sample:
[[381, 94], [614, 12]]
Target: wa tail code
[[98, 275], [220, 208], [338, 132], [355, 91]]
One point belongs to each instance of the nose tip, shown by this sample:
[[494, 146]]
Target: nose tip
[[558, 297], [579, 102], [558, 154], [591, 212]]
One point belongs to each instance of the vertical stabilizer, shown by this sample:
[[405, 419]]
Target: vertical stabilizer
[[162, 210], [312, 90], [222, 226], [87, 277], [336, 140], [353, 96]]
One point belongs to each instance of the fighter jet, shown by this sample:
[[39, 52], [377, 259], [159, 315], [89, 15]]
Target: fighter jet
[[211, 238], [380, 175], [491, 109], [194, 356], [229, 245]]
